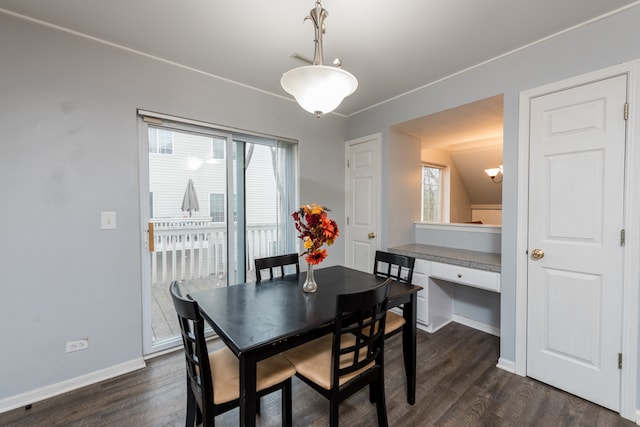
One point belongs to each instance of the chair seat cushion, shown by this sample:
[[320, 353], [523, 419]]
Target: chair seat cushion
[[226, 374], [394, 322], [313, 360]]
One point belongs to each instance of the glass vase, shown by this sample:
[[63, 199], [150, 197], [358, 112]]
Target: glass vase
[[310, 284]]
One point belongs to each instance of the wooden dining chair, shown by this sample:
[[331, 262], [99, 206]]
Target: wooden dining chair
[[276, 262], [399, 268], [213, 378], [339, 364]]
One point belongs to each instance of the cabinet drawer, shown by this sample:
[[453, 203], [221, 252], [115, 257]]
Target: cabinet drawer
[[467, 276]]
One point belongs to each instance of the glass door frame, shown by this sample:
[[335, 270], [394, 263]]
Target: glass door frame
[[144, 121], [234, 177]]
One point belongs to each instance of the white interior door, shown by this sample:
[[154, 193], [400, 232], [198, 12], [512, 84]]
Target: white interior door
[[362, 201], [576, 205]]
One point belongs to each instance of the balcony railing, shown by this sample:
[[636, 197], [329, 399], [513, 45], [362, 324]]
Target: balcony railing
[[190, 248]]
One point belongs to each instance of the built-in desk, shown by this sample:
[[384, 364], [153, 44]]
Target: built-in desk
[[438, 268]]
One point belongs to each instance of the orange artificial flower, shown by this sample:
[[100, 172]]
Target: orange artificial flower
[[315, 229], [316, 257]]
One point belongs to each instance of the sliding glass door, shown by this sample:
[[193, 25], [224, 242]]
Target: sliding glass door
[[266, 201], [217, 200]]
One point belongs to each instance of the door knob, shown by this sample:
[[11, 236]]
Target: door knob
[[371, 235], [537, 254]]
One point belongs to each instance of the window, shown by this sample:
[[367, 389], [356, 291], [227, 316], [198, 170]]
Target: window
[[431, 193], [160, 141], [216, 207], [217, 149]]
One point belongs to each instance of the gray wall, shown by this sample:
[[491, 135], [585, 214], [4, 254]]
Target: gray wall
[[461, 239], [69, 151], [600, 44], [401, 206]]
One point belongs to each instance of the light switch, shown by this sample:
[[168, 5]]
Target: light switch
[[108, 220]]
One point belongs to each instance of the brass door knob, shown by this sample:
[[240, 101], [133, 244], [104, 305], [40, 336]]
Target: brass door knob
[[537, 254], [371, 235]]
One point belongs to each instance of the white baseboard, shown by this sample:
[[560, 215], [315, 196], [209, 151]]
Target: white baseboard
[[430, 328], [506, 365], [477, 325], [24, 399], [638, 417], [421, 327], [463, 321]]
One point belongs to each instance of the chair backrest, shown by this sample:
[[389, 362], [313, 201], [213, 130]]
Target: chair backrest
[[195, 348], [276, 262], [398, 267], [354, 344]]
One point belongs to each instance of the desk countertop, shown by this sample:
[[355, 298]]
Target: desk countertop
[[462, 257]]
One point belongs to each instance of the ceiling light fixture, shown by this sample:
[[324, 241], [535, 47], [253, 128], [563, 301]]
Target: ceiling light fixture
[[319, 88], [495, 174]]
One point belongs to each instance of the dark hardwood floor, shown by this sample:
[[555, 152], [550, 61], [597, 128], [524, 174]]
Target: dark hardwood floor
[[458, 385]]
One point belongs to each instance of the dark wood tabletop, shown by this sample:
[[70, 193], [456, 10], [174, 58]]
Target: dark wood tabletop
[[250, 316]]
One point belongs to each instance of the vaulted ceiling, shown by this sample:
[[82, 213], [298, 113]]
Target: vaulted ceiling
[[471, 137]]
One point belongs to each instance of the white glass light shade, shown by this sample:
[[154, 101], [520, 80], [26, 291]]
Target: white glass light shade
[[493, 172], [319, 89]]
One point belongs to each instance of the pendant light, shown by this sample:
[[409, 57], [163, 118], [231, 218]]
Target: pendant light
[[319, 88]]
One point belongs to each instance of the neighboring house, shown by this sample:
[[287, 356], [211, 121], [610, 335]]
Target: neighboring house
[[176, 157]]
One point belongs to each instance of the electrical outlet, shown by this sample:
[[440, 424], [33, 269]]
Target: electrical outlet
[[82, 344]]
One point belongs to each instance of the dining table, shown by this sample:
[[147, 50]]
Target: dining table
[[257, 320]]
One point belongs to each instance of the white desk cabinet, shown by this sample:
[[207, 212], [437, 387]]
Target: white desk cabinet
[[482, 279], [439, 270], [435, 301], [420, 279]]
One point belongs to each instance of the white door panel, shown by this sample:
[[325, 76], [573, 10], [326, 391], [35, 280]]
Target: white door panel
[[579, 197], [576, 205], [363, 202], [579, 340]]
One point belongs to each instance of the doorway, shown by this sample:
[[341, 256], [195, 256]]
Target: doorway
[[575, 324], [216, 200], [362, 201]]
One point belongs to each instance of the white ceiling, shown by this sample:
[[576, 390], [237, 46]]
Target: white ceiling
[[392, 47]]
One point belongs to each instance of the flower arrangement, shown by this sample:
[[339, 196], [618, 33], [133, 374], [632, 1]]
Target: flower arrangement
[[315, 230]]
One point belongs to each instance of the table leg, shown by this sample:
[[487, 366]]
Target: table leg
[[409, 347], [248, 395]]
